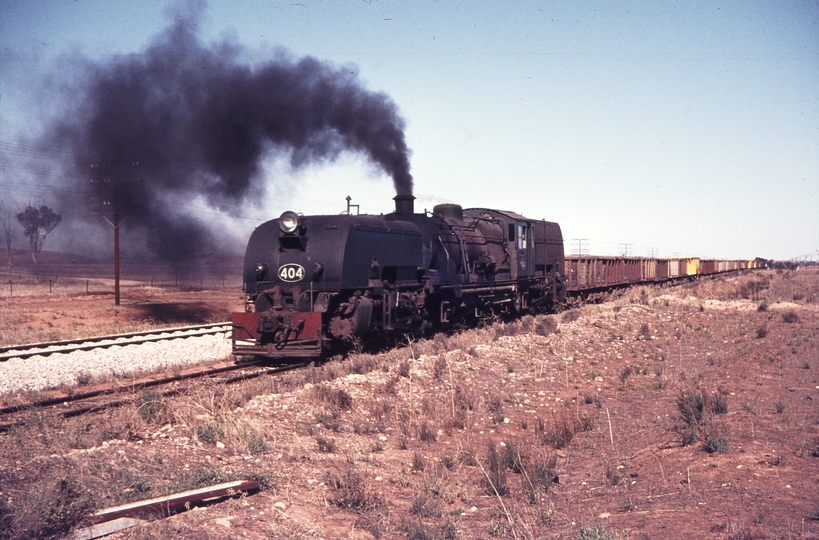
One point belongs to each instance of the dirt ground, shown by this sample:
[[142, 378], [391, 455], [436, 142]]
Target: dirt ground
[[69, 312], [689, 411]]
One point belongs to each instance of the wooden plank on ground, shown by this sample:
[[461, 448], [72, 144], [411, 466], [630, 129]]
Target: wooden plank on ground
[[169, 503]]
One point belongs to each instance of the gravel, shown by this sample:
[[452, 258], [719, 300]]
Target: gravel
[[43, 372]]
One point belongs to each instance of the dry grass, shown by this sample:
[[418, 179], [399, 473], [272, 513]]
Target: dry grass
[[406, 443]]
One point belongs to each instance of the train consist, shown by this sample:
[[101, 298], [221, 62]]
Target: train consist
[[316, 282]]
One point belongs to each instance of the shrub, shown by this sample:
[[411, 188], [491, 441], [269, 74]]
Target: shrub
[[335, 397], [49, 510], [418, 463], [546, 325], [790, 317], [427, 434], [347, 490], [613, 474], [208, 432], [716, 442], [538, 478], [597, 532], [496, 409], [691, 407], [762, 331], [571, 315], [326, 445], [495, 479], [150, 408], [440, 368], [625, 374], [719, 404], [559, 434]]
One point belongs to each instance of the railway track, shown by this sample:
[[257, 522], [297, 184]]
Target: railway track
[[116, 395], [116, 340]]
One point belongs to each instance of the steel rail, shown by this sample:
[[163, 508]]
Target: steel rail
[[133, 387], [133, 338]]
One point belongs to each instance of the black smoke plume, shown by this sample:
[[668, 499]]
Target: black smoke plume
[[185, 119]]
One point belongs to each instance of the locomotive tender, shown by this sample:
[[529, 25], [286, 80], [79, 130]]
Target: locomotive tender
[[315, 281]]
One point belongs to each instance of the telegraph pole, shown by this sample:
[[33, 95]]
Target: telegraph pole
[[626, 249], [107, 204], [579, 249]]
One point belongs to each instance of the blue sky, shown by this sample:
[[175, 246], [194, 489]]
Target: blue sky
[[688, 128]]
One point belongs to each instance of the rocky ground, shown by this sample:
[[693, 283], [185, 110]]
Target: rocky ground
[[689, 411]]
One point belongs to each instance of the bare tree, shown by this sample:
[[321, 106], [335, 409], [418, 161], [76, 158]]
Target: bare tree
[[37, 223]]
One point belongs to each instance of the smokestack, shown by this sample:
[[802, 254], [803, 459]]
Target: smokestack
[[404, 204]]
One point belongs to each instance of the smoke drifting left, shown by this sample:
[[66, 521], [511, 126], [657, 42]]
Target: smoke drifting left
[[200, 121]]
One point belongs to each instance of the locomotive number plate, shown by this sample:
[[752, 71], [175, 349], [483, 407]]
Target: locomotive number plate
[[291, 272]]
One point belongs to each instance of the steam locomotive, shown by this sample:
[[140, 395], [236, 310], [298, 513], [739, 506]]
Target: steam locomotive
[[315, 282]]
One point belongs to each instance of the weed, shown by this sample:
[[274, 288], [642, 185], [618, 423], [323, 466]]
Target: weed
[[464, 399], [692, 407], [427, 434], [495, 479], [719, 404], [538, 477], [418, 530], [50, 509], [571, 315], [326, 445], [448, 462], [779, 407], [546, 325], [208, 432], [597, 532], [790, 317], [716, 442], [418, 463], [625, 374], [762, 332], [440, 367], [613, 474], [84, 378], [200, 477], [349, 492], [390, 387], [256, 444], [377, 447], [496, 409], [425, 506], [335, 397], [329, 420], [150, 407], [763, 306], [645, 331], [560, 434], [497, 529]]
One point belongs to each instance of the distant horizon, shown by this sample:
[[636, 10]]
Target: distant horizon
[[647, 128]]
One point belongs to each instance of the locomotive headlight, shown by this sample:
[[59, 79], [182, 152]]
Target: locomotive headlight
[[261, 271], [289, 222]]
